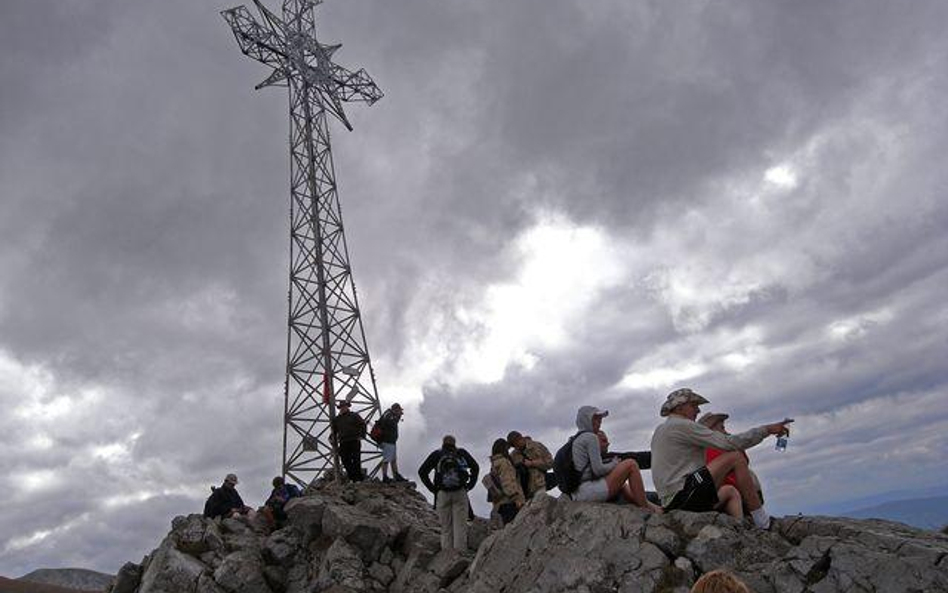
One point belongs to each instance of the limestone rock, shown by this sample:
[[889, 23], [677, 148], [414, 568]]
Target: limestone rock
[[242, 572], [196, 534], [282, 546], [342, 565], [585, 546], [171, 571], [376, 538], [127, 579], [381, 573]]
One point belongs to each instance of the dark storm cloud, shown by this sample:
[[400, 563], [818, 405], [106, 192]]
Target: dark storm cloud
[[142, 220]]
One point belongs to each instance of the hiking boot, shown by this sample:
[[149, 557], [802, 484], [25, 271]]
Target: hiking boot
[[400, 478], [387, 480]]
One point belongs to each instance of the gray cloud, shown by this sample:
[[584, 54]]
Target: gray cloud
[[142, 220]]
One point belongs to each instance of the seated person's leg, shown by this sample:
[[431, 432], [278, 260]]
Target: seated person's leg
[[625, 479], [730, 501]]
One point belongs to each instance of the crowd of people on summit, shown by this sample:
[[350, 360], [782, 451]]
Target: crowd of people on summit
[[696, 465]]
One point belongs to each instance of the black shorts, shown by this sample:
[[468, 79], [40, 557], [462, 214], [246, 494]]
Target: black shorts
[[699, 494]]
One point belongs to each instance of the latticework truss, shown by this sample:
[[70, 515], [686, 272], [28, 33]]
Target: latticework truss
[[327, 357]]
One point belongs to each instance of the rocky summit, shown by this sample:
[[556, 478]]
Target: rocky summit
[[384, 538]]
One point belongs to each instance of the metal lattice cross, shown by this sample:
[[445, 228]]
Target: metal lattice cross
[[327, 356]]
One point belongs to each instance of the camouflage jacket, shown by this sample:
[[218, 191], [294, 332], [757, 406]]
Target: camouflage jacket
[[501, 467], [534, 451]]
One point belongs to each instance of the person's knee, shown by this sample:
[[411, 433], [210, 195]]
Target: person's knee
[[727, 492]]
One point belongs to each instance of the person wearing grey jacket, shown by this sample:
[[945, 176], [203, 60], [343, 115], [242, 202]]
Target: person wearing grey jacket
[[601, 481]]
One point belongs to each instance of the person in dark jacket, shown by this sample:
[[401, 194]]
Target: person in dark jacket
[[279, 496], [455, 474], [225, 501], [348, 429], [388, 424]]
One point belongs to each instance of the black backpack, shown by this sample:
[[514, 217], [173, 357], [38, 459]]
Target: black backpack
[[567, 476], [452, 468]]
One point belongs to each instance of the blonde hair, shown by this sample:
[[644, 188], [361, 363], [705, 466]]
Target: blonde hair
[[719, 581]]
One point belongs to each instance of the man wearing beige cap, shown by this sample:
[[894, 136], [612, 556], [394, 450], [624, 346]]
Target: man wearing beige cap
[[225, 501], [681, 477]]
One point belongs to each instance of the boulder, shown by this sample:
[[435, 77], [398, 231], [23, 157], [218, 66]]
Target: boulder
[[171, 571], [127, 579], [242, 572], [195, 534], [282, 546], [588, 546], [342, 565]]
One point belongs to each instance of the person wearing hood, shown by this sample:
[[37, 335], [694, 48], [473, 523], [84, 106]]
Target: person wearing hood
[[682, 478], [601, 481]]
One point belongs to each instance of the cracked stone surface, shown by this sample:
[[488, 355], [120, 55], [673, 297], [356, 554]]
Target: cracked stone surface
[[385, 538]]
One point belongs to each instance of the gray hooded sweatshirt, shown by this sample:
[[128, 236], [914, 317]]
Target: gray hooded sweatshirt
[[587, 457]]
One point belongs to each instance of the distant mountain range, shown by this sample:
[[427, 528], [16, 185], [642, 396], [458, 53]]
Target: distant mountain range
[[75, 579], [18, 586], [925, 513]]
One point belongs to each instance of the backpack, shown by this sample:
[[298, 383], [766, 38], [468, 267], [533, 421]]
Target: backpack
[[492, 483], [376, 433], [453, 470], [567, 476]]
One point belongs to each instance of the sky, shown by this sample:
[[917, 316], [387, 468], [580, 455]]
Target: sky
[[556, 203]]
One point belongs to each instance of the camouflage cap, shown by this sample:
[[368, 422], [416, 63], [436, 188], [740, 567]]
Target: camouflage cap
[[681, 396]]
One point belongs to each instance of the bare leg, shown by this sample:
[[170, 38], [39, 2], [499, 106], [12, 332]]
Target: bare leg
[[395, 471], [626, 479], [385, 470], [730, 501], [735, 461]]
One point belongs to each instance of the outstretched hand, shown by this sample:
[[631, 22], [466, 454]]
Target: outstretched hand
[[780, 428]]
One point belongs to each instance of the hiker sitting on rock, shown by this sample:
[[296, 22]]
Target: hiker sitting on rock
[[601, 481], [715, 421], [509, 495], [642, 458], [279, 496], [225, 501], [533, 459], [681, 477], [455, 473]]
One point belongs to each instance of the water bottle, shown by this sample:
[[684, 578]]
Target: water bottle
[[781, 443]]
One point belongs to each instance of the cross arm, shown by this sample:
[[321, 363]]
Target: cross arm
[[255, 40]]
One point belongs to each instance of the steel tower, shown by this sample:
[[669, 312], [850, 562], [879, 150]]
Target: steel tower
[[327, 358]]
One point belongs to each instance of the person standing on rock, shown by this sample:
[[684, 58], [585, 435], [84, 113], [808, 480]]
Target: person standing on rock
[[455, 473], [601, 481], [388, 437], [348, 429], [681, 477], [535, 459], [225, 501], [511, 497]]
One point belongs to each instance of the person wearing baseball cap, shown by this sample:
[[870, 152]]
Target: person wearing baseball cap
[[603, 480], [225, 501], [682, 478], [388, 442]]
